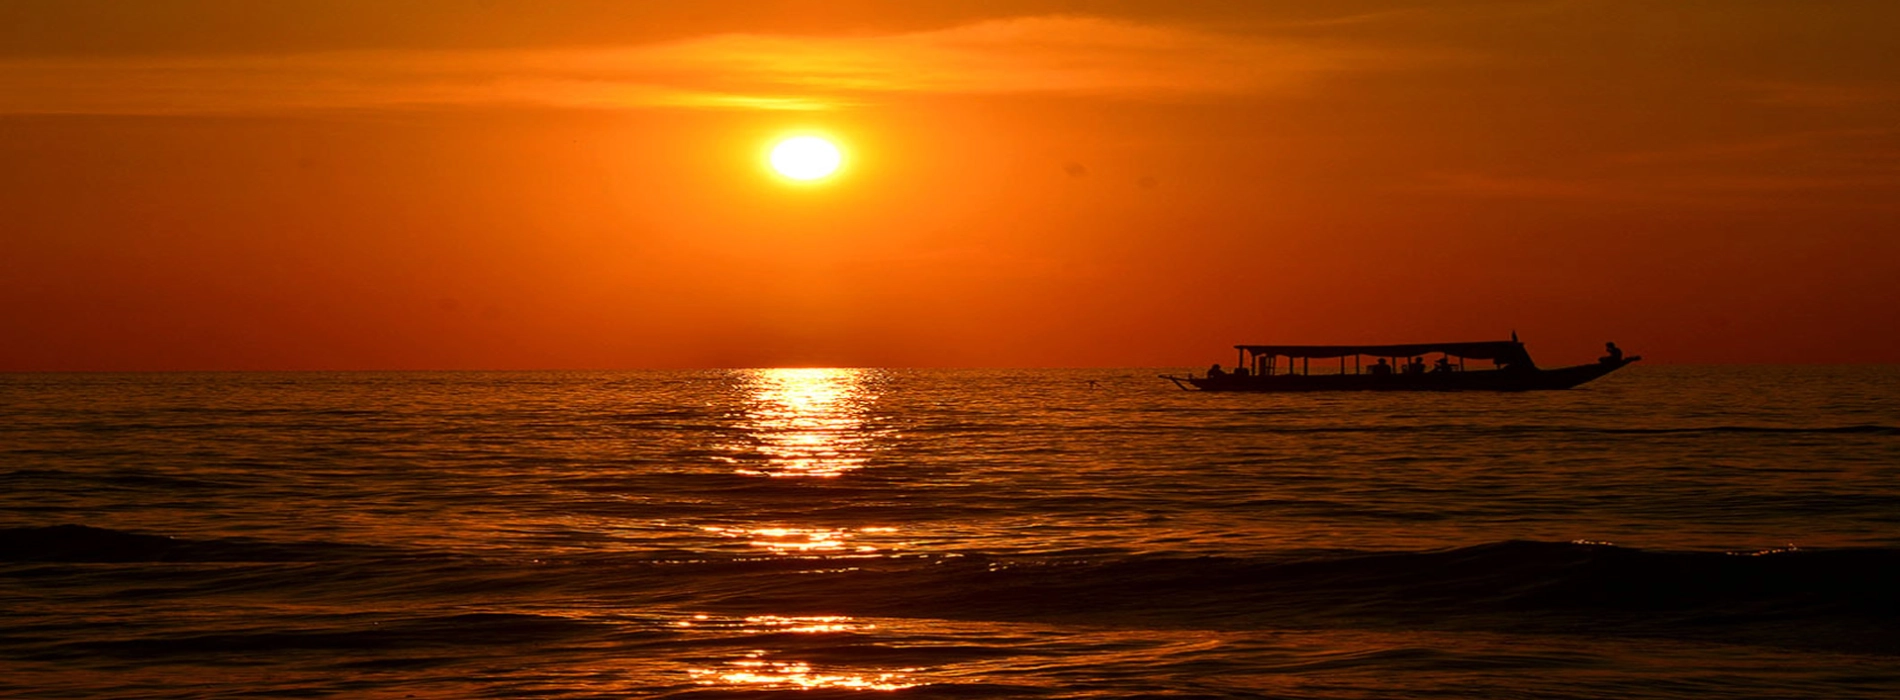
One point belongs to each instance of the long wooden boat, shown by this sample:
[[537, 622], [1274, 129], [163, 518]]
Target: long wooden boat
[[1398, 368]]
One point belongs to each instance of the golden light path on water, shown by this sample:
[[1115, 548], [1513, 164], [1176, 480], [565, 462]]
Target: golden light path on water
[[757, 670], [802, 540], [807, 422]]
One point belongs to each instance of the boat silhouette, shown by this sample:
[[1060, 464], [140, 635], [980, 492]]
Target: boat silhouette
[[1397, 368]]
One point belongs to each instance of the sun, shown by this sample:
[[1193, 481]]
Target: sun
[[806, 158]]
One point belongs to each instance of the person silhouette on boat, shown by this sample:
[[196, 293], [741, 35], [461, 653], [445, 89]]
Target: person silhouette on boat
[[1241, 371], [1615, 355], [1444, 365], [1416, 366], [1215, 371], [1381, 369]]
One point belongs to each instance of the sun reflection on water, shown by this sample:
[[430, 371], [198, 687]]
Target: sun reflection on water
[[802, 540], [806, 422], [760, 673], [756, 670]]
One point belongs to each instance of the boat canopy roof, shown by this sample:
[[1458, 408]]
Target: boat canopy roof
[[1507, 350]]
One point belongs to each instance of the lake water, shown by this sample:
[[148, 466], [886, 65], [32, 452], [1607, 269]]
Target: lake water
[[1664, 532]]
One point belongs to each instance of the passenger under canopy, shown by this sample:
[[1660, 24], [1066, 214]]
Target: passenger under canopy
[[1401, 367], [1507, 352]]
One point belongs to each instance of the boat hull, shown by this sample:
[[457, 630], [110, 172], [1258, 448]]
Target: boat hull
[[1479, 380]]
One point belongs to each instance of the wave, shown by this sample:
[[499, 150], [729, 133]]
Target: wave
[[1827, 430], [1544, 429], [1505, 575], [359, 633], [87, 544], [1836, 598], [1842, 597]]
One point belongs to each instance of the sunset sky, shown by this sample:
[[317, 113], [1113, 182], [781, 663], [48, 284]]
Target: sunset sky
[[459, 184]]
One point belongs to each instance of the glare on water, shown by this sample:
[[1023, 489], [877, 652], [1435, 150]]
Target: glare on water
[[806, 422], [801, 540], [761, 669]]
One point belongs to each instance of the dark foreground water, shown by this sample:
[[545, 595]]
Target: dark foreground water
[[1665, 532]]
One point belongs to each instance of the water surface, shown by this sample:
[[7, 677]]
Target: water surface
[[1664, 532]]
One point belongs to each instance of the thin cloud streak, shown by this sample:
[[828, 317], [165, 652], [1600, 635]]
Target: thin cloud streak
[[1061, 55], [1826, 95], [1710, 189]]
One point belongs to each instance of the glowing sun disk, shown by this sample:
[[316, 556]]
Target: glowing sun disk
[[805, 158]]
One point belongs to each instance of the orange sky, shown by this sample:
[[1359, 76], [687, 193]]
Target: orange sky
[[358, 184]]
